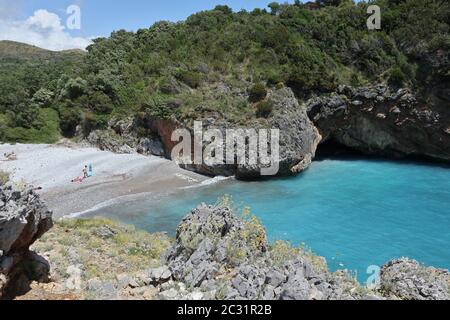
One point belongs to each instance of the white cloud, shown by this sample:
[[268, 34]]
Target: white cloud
[[43, 29]]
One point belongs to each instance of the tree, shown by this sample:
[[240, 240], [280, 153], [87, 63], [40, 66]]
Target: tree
[[224, 9], [69, 117], [274, 7], [100, 103], [334, 3], [74, 88], [42, 98]]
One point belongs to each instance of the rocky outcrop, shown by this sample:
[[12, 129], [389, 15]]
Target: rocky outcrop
[[122, 137], [298, 138], [374, 120], [230, 258], [215, 255], [23, 219], [408, 280], [382, 121]]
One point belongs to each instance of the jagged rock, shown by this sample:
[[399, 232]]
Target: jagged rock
[[105, 232], [275, 278], [407, 279], [159, 275], [23, 219], [299, 137], [171, 294], [111, 141], [103, 290], [211, 241], [152, 146], [124, 281], [74, 281], [378, 120]]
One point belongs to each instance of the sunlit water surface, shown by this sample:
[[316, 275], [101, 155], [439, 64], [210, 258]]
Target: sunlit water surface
[[355, 213]]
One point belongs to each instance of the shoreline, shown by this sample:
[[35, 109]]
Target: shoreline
[[116, 176]]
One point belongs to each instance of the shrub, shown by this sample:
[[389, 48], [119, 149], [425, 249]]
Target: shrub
[[156, 106], [101, 103], [104, 248], [282, 251], [69, 119], [254, 234], [192, 79], [43, 98], [45, 129], [258, 92], [4, 177], [74, 88], [397, 77], [93, 122], [264, 109]]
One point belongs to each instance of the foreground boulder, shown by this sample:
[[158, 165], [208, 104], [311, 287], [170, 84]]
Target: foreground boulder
[[407, 280], [216, 255], [230, 258], [23, 219]]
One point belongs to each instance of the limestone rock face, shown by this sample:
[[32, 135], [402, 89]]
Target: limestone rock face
[[121, 137], [298, 139], [406, 279], [23, 219], [382, 121]]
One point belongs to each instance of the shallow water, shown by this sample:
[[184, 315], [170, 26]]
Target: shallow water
[[355, 213]]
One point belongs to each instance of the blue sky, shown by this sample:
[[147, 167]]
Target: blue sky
[[43, 22], [100, 17]]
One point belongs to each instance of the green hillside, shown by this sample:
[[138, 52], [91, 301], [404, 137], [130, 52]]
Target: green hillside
[[215, 59]]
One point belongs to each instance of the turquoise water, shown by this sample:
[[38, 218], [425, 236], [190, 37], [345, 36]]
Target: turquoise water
[[355, 213]]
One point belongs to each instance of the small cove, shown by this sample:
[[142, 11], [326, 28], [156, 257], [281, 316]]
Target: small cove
[[354, 212]]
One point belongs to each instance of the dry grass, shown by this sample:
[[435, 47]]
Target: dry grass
[[4, 177], [103, 248]]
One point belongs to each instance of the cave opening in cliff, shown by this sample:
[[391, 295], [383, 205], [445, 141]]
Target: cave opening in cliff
[[333, 149]]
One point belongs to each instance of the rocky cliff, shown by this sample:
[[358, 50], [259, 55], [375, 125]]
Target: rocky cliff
[[298, 137], [23, 219], [377, 120], [382, 121]]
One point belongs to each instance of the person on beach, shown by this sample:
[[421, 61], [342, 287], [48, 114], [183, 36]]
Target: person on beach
[[85, 175], [90, 171], [78, 179]]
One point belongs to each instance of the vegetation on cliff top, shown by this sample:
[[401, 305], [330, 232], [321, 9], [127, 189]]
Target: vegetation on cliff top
[[215, 60]]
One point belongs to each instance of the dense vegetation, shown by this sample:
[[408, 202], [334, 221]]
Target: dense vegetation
[[216, 59]]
